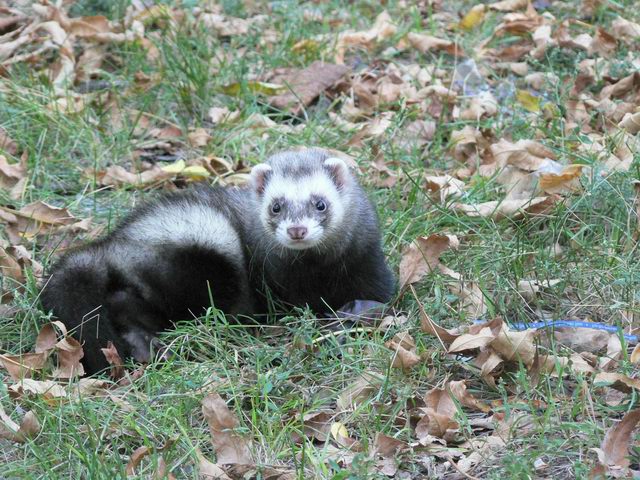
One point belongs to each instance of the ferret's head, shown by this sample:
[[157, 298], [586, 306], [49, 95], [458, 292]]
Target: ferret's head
[[303, 197]]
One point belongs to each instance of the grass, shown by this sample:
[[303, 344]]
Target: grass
[[272, 377]]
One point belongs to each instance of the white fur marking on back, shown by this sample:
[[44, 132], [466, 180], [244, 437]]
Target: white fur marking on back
[[188, 224]]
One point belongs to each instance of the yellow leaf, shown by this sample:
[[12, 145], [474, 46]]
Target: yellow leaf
[[195, 171], [175, 167], [256, 87], [529, 101], [305, 45], [474, 17], [338, 431]]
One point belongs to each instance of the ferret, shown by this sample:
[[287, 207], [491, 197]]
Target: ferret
[[315, 237], [302, 232]]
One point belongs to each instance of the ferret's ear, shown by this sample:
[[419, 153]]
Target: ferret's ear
[[260, 176], [338, 170]]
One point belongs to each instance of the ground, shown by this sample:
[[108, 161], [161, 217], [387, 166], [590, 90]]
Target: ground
[[499, 143]]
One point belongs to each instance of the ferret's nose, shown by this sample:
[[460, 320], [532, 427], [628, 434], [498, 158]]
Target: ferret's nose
[[297, 232]]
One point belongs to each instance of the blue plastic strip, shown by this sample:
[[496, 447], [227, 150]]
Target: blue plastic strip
[[572, 324]]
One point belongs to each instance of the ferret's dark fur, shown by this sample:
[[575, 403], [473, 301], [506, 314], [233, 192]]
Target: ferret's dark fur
[[171, 258]]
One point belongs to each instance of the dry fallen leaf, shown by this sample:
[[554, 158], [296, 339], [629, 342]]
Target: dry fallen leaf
[[404, 350], [359, 390], [318, 424], [208, 470], [25, 365], [563, 183], [423, 256], [114, 359], [470, 341], [425, 43], [516, 208], [199, 138], [444, 186], [29, 427], [230, 447], [459, 391], [618, 439], [515, 346], [430, 327], [303, 86], [69, 355], [135, 459], [382, 29], [618, 381]]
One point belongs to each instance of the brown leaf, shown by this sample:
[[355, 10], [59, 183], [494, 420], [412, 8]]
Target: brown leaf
[[435, 424], [472, 300], [630, 83], [516, 208], [229, 446], [618, 439], [423, 256], [404, 348], [69, 355], [618, 381], [459, 391], [515, 346], [387, 447], [135, 459], [525, 154], [11, 174], [470, 341], [425, 43], [225, 26], [28, 428], [359, 390], [114, 359], [45, 213], [429, 326], [305, 85], [567, 181], [582, 339], [87, 26], [208, 470], [508, 5], [48, 389], [199, 138], [7, 143], [614, 352], [115, 175], [23, 366], [630, 122], [382, 29], [444, 186], [48, 337], [318, 425], [438, 419], [483, 105], [487, 361], [624, 29], [219, 115], [603, 43], [10, 268]]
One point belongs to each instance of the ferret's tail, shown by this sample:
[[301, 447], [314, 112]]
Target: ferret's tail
[[74, 292]]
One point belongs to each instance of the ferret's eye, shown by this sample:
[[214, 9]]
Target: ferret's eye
[[275, 208], [321, 206]]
